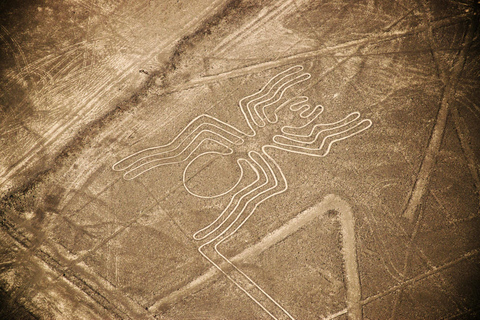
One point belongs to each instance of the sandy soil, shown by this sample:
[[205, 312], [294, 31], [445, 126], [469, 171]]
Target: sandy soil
[[249, 159]]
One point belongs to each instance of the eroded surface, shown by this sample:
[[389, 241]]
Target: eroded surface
[[82, 240]]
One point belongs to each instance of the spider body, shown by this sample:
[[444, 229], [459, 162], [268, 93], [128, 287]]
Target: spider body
[[275, 120]]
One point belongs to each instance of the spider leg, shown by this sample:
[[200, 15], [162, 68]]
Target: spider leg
[[275, 96], [181, 148], [252, 106], [232, 208], [311, 128], [272, 183], [268, 179], [319, 138], [291, 103]]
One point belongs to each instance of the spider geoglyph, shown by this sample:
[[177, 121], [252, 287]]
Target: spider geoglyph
[[275, 121]]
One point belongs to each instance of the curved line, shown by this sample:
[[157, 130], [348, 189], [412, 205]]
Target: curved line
[[280, 88], [209, 197], [315, 138], [171, 150], [241, 224], [259, 92], [387, 261], [246, 219], [299, 67], [268, 197], [242, 107], [176, 155], [181, 132], [174, 162], [275, 112], [314, 110], [225, 210], [253, 107], [232, 211], [356, 113], [311, 151], [246, 204], [287, 85], [302, 107]]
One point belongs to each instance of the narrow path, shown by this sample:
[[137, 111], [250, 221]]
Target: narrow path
[[318, 210], [436, 137], [104, 93]]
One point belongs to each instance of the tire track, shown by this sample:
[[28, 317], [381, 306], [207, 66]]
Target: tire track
[[428, 162], [467, 256], [264, 16], [317, 211], [96, 97], [375, 38]]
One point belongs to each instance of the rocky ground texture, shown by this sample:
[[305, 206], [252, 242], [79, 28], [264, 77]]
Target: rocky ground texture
[[371, 214]]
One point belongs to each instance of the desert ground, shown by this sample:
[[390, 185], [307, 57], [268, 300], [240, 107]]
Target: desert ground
[[245, 159]]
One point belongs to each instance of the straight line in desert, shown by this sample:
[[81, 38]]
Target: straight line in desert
[[264, 16], [330, 202], [436, 137], [89, 104], [379, 37], [466, 256]]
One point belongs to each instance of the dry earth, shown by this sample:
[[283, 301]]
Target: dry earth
[[120, 200]]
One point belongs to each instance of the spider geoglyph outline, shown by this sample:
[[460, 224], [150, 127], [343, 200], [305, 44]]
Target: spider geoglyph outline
[[260, 110]]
